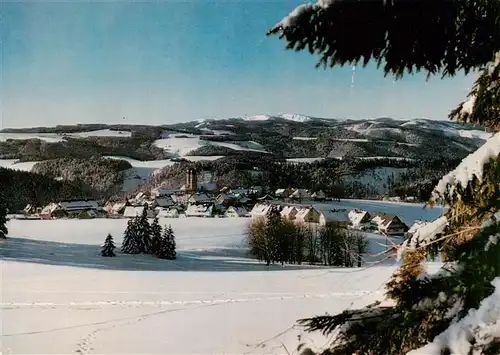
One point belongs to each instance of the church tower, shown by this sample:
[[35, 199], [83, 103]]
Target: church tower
[[191, 181]]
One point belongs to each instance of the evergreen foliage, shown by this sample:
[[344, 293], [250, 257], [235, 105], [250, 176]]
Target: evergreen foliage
[[108, 246], [168, 245], [3, 217], [131, 239], [143, 231], [439, 37], [156, 236]]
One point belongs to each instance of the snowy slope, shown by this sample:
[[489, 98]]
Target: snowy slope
[[55, 137], [56, 282], [15, 164]]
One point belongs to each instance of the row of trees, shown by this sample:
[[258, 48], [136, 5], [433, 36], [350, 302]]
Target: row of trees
[[278, 240], [143, 237]]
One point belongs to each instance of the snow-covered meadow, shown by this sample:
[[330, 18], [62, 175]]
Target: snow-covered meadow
[[59, 296]]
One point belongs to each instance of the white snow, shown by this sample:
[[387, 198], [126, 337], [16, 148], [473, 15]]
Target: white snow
[[471, 166], [427, 232], [294, 117], [15, 164], [48, 137], [101, 133], [243, 146], [178, 144], [256, 118], [305, 138], [351, 139], [56, 137], [59, 296], [303, 160], [481, 325]]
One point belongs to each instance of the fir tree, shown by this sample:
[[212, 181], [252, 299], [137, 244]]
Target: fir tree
[[156, 239], [108, 246], [439, 37], [131, 238], [167, 249], [3, 218], [143, 231]]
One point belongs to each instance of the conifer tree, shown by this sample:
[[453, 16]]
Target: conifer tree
[[143, 231], [438, 37], [156, 236], [131, 238], [168, 246], [3, 217], [108, 246]]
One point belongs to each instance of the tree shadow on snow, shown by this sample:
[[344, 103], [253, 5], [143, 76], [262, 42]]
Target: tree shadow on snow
[[88, 256]]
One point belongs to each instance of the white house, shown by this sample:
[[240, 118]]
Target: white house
[[73, 206], [338, 217], [307, 215], [289, 212], [136, 211], [300, 194], [200, 210], [198, 198], [236, 212], [260, 210], [168, 213], [359, 219]]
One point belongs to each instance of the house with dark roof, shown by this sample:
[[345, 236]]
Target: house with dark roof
[[389, 224]]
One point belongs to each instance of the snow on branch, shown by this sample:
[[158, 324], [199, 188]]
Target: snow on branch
[[424, 235], [472, 333], [299, 11], [469, 167]]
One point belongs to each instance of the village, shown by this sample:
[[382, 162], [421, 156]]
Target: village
[[204, 200]]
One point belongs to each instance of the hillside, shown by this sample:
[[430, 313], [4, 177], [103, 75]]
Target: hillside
[[381, 156]]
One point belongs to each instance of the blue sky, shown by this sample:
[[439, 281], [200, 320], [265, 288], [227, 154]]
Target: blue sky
[[171, 61]]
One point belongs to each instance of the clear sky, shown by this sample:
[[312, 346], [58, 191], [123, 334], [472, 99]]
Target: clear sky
[[179, 60]]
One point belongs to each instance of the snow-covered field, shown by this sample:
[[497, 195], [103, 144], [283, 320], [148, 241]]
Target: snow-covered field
[[15, 164], [181, 144], [55, 137], [59, 296]]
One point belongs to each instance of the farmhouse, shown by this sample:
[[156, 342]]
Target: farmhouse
[[260, 210], [77, 206], [283, 193], [359, 219], [136, 211], [52, 210], [168, 213], [389, 224], [318, 196], [236, 212], [289, 212], [198, 198], [338, 217], [307, 215], [300, 194], [163, 202], [206, 210]]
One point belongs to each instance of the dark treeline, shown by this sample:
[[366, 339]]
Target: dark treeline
[[20, 188]]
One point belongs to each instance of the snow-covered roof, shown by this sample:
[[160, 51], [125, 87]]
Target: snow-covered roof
[[78, 205], [302, 212], [300, 193], [240, 211], [133, 211], [197, 198], [471, 166], [51, 207], [260, 209], [288, 210], [164, 201], [356, 216], [318, 194], [199, 210], [340, 215]]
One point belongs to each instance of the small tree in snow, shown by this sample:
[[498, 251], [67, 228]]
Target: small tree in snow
[[156, 238], [131, 239], [108, 246], [167, 249]]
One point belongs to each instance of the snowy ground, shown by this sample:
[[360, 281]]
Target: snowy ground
[[59, 296]]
